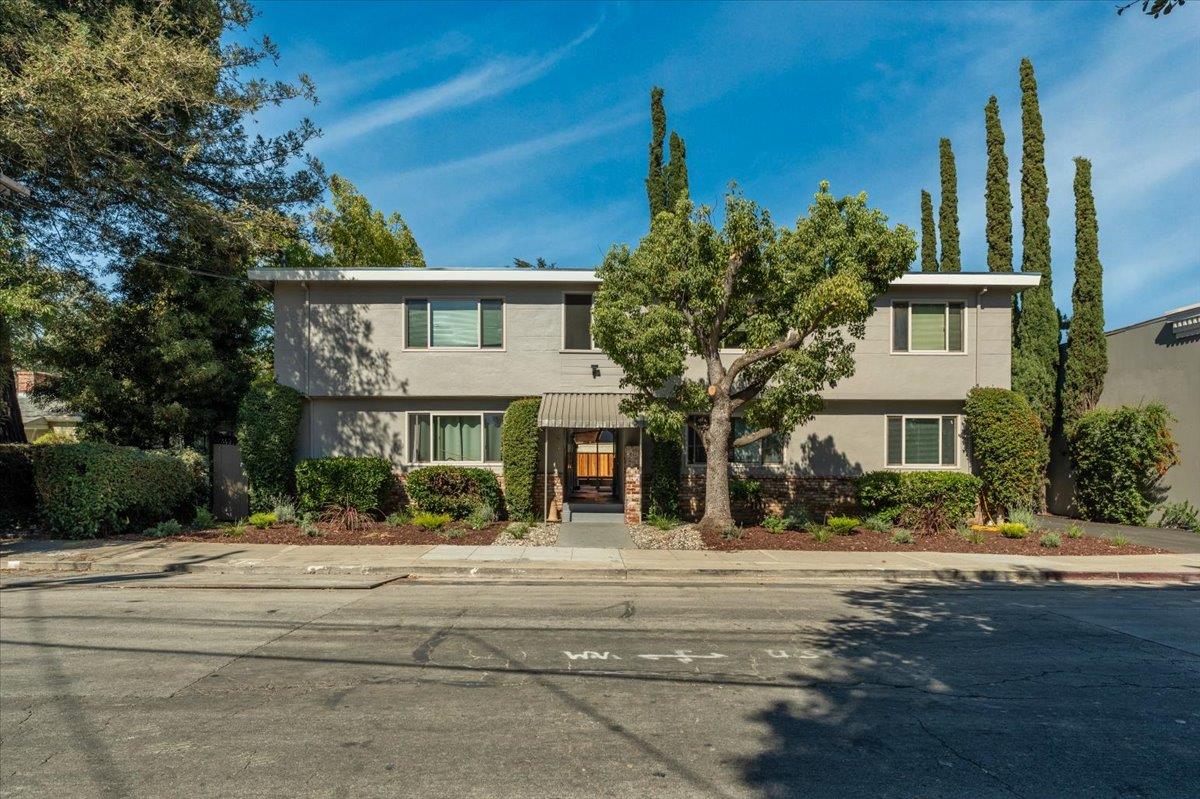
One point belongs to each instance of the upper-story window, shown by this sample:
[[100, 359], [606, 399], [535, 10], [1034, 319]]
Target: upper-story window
[[577, 322], [928, 327], [455, 323]]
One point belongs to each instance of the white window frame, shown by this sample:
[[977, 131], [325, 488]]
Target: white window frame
[[945, 316], [903, 465], [409, 443], [562, 339], [478, 300], [688, 431]]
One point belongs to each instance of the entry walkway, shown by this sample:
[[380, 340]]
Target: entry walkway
[[157, 562], [595, 534]]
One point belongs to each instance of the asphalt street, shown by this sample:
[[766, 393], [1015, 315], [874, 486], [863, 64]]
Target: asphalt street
[[118, 688]]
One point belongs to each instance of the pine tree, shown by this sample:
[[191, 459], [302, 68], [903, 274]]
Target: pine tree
[[656, 183], [1035, 353], [998, 199], [929, 259], [948, 211], [676, 172], [1087, 348]]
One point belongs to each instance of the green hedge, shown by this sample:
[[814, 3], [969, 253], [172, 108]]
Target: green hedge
[[519, 451], [456, 490], [1009, 450], [897, 494], [364, 484], [91, 489], [666, 464], [197, 463], [18, 497], [1119, 457], [267, 422]]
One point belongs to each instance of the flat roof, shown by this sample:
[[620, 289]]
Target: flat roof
[[387, 274]]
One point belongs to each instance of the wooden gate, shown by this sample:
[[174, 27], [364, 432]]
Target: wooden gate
[[230, 488]]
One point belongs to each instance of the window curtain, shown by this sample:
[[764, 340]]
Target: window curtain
[[899, 327], [949, 440], [455, 323], [928, 327], [492, 317], [418, 437], [491, 436], [418, 323], [457, 438], [922, 443]]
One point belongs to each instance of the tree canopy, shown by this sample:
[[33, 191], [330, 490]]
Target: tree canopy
[[790, 299], [350, 233]]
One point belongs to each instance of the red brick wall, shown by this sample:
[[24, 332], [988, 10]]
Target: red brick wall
[[780, 494]]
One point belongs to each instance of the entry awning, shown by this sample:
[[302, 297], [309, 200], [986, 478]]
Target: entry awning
[[583, 409]]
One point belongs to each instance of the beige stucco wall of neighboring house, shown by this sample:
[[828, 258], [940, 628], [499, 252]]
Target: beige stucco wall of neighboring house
[[347, 339]]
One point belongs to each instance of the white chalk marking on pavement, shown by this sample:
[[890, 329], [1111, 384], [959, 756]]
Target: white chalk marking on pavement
[[682, 656], [589, 654], [803, 654]]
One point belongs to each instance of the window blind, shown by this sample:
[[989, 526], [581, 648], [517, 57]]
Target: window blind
[[492, 318], [928, 327], [921, 442], [455, 323]]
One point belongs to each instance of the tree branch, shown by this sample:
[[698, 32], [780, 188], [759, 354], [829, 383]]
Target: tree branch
[[750, 438]]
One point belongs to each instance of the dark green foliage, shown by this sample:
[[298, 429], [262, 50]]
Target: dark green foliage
[[951, 260], [92, 489], [929, 256], [665, 185], [666, 461], [1119, 457], [1087, 347], [268, 421], [519, 452], [936, 496], [364, 484], [455, 490], [997, 193], [656, 181], [1035, 353], [197, 463], [1180, 515], [17, 495], [1009, 449]]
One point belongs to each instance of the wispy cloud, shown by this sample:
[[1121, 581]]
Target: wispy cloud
[[355, 77], [495, 77]]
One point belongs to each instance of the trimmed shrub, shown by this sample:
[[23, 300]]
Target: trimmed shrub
[[843, 525], [91, 489], [17, 494], [519, 452], [360, 483], [456, 490], [933, 500], [267, 422], [1013, 530], [879, 492], [197, 463], [431, 521], [1119, 457], [666, 464], [1009, 449]]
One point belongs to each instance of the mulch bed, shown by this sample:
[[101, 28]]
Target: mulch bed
[[378, 533], [863, 540]]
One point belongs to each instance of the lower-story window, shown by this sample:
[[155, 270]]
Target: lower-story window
[[764, 452], [454, 437], [922, 441]]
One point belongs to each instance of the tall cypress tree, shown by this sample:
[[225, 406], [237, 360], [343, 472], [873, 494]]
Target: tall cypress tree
[[997, 196], [1087, 348], [656, 182], [676, 172], [929, 261], [1035, 354], [948, 211]]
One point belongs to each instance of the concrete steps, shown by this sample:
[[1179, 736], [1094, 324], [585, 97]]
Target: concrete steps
[[594, 512]]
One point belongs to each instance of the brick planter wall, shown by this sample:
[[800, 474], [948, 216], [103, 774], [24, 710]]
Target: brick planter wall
[[780, 494], [556, 494]]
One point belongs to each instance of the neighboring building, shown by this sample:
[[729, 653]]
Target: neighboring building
[[1157, 360], [38, 416], [418, 366]]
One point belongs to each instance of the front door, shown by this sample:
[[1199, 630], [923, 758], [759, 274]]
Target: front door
[[591, 464]]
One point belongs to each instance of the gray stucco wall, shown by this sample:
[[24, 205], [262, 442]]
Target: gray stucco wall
[[346, 339], [1146, 363]]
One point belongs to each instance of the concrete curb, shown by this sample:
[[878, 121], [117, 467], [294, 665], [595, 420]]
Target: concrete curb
[[550, 573]]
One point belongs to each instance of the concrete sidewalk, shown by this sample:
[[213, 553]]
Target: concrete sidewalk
[[278, 562]]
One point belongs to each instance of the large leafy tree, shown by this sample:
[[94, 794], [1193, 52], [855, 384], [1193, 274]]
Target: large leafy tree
[[948, 211], [792, 300], [127, 123], [350, 233], [1035, 351], [1087, 348], [929, 256]]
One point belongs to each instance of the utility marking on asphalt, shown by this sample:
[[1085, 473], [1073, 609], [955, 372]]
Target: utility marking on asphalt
[[687, 656], [589, 654], [803, 654], [682, 656]]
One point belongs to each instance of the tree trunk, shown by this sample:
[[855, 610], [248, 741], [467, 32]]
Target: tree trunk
[[12, 428], [718, 517]]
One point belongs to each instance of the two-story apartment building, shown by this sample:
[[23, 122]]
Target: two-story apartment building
[[418, 366]]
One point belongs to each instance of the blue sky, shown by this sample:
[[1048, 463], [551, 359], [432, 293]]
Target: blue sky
[[504, 131]]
